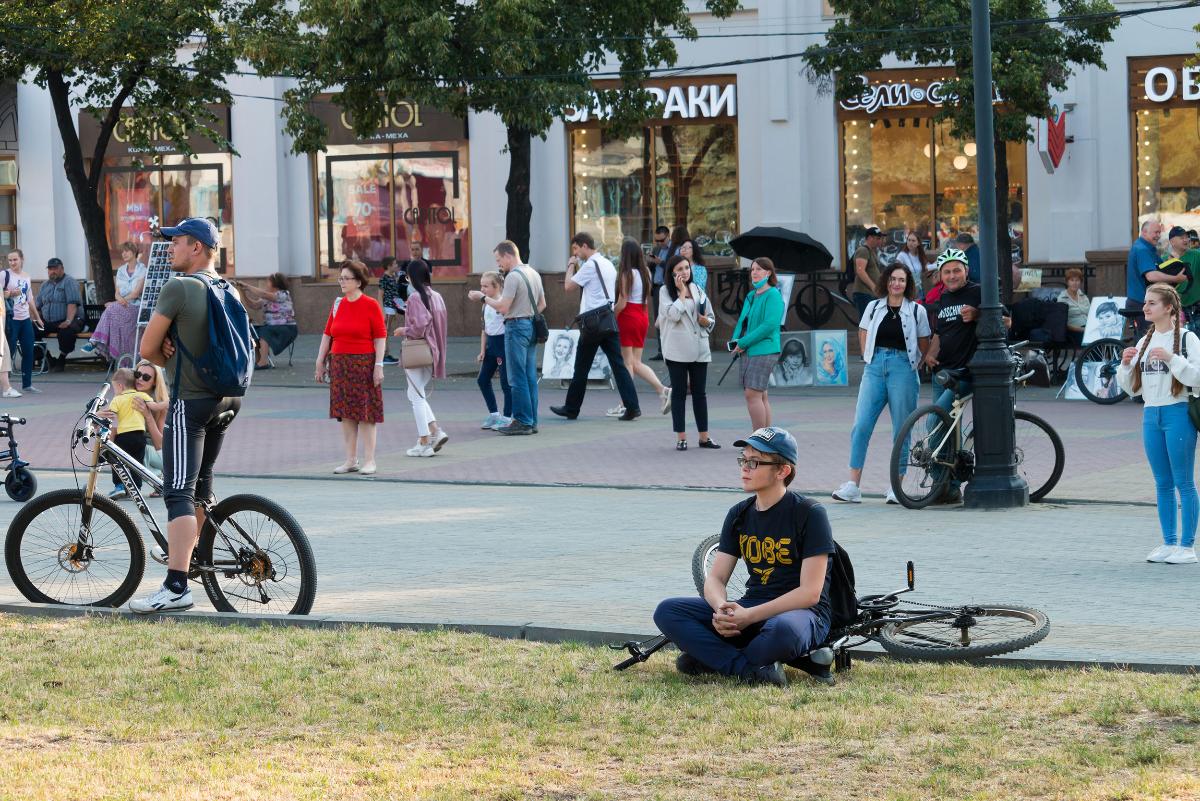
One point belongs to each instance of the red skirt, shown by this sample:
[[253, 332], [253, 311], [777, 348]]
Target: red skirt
[[352, 391], [632, 323]]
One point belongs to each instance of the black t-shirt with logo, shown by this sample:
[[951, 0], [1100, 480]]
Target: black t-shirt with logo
[[775, 542], [956, 338]]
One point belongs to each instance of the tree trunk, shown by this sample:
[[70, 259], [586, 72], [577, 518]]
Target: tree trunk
[[1003, 240], [520, 209], [84, 189]]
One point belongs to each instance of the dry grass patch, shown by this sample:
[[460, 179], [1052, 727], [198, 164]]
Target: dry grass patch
[[101, 709]]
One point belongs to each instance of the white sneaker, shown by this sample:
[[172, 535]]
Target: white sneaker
[[490, 421], [11, 393], [420, 450], [89, 347], [162, 601], [441, 439], [1160, 553], [666, 400], [890, 497], [848, 493], [501, 422], [1182, 556], [615, 411]]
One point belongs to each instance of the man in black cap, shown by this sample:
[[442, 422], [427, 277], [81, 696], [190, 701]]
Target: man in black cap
[[61, 307], [866, 268], [1193, 239]]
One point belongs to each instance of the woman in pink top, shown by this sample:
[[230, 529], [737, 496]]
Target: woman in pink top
[[425, 318]]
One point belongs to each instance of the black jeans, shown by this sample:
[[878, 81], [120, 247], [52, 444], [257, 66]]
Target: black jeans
[[682, 374], [66, 336], [584, 354]]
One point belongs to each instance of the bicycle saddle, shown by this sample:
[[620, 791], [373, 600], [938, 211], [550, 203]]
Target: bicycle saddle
[[951, 379]]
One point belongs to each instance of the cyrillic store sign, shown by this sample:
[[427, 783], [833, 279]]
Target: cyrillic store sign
[[1157, 82], [917, 91], [703, 99]]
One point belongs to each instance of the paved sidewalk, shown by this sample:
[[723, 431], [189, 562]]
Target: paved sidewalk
[[602, 558]]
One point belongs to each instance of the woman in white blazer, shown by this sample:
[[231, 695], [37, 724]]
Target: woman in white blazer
[[684, 322]]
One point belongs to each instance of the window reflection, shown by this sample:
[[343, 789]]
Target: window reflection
[[1168, 172]]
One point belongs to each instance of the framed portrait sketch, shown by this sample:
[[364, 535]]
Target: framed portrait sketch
[[786, 282], [1104, 319], [558, 357], [829, 359], [794, 368]]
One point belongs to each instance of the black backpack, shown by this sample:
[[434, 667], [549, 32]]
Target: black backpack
[[843, 602]]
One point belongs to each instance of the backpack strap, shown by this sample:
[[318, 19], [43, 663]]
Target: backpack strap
[[529, 290]]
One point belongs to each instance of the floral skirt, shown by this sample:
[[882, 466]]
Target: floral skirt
[[352, 391], [116, 331]]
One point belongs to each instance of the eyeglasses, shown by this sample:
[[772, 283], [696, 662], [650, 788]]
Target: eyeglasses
[[144, 376], [753, 463]]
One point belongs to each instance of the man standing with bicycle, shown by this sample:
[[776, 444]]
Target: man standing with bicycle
[[786, 542], [196, 418]]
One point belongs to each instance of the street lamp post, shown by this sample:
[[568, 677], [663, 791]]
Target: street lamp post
[[996, 484]]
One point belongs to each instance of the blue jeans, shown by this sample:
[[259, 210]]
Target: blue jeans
[[1170, 441], [888, 380], [20, 332], [493, 360], [520, 355], [688, 624]]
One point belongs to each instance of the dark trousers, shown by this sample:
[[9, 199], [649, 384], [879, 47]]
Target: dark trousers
[[682, 375], [493, 361], [66, 336], [133, 443], [656, 300], [584, 354], [688, 624], [20, 332]]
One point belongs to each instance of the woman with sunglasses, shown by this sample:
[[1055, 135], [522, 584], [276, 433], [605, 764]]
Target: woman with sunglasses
[[148, 378]]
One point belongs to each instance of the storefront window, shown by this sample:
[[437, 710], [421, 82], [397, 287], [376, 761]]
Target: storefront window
[[402, 200], [8, 203], [1168, 170]]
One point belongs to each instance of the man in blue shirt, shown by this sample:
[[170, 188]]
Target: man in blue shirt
[[1141, 270]]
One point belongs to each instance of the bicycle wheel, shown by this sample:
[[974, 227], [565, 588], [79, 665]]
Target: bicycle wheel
[[54, 558], [968, 632], [919, 476], [702, 561], [1040, 453], [1102, 358], [813, 305], [259, 562]]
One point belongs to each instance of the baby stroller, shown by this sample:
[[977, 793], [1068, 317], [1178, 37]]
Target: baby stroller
[[20, 483]]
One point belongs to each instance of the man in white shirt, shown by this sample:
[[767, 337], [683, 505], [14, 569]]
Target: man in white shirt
[[597, 278]]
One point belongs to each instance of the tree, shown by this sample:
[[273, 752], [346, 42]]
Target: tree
[[1029, 60], [166, 58], [528, 61]]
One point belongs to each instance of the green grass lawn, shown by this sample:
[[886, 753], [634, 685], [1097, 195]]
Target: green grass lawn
[[103, 709]]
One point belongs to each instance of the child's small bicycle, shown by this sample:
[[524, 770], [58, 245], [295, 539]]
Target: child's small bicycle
[[20, 483]]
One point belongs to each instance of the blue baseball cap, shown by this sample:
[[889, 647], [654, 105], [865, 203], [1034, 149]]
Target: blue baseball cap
[[199, 228], [771, 440]]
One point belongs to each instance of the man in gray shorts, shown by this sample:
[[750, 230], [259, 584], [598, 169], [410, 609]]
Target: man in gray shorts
[[196, 419]]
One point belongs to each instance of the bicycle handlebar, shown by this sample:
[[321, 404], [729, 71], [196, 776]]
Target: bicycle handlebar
[[95, 403]]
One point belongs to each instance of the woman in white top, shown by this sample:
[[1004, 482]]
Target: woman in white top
[[913, 257], [893, 336], [684, 322], [633, 318], [116, 331], [23, 316], [1161, 368]]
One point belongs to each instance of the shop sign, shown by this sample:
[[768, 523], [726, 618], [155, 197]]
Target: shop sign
[[903, 94], [1052, 138], [405, 121], [161, 143], [682, 102], [1164, 84]]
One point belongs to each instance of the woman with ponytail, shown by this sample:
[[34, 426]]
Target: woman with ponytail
[[1161, 368]]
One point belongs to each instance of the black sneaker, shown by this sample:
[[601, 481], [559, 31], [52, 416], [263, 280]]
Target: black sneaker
[[821, 673], [563, 411], [515, 428], [390, 359], [689, 665], [631, 414], [767, 674], [708, 443]]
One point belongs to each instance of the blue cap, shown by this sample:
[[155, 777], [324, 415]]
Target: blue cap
[[771, 440], [199, 228]]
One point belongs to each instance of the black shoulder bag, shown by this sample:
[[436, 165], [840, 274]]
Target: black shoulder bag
[[601, 321], [541, 331]]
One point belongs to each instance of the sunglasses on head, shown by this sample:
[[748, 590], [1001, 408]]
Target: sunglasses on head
[[144, 376]]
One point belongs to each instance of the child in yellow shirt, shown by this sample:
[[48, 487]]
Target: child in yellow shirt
[[131, 424]]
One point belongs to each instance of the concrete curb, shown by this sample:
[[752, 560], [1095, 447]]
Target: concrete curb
[[528, 632]]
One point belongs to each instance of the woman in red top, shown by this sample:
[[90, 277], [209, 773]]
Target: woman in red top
[[356, 332]]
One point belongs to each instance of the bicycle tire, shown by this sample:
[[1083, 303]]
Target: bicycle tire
[[927, 639], [1108, 353], [59, 532], [702, 560], [255, 513], [919, 485], [819, 311], [20, 484], [1029, 448]]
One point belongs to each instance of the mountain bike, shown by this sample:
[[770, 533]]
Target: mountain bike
[[905, 629], [940, 447], [79, 547]]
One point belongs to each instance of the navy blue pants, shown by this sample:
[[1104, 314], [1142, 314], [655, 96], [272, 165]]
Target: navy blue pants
[[493, 361], [688, 624]]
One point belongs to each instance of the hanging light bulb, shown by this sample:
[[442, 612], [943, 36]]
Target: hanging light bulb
[[960, 162], [970, 149]]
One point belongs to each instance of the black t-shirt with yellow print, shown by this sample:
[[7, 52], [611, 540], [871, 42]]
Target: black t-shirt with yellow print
[[775, 542]]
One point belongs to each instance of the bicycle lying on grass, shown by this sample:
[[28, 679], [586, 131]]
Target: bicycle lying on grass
[[937, 633], [79, 547]]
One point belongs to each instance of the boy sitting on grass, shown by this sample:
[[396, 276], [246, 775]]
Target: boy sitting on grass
[[786, 542], [131, 425]]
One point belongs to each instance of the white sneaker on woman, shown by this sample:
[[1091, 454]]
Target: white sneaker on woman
[[1182, 556], [420, 450], [441, 439], [1160, 553], [848, 493], [615, 411], [11, 393], [666, 399]]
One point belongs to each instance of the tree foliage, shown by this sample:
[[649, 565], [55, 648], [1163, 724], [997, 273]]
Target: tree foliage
[[167, 59]]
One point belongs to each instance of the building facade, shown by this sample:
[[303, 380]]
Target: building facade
[[732, 147]]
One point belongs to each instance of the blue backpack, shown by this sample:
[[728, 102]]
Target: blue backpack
[[226, 367]]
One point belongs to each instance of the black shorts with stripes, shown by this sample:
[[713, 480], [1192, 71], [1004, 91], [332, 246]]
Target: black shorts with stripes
[[192, 439]]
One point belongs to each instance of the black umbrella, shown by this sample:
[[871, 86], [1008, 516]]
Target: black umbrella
[[792, 251]]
